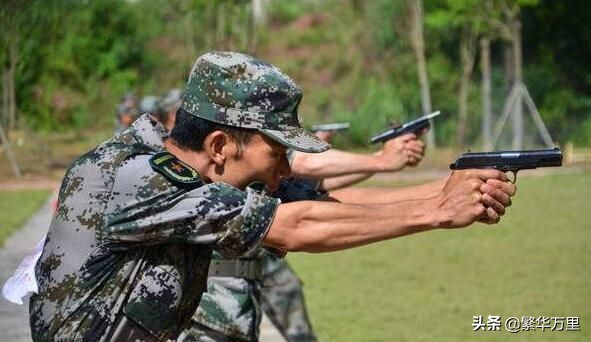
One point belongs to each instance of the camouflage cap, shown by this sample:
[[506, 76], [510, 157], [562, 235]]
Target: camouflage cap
[[242, 91], [150, 104], [172, 100], [125, 108]]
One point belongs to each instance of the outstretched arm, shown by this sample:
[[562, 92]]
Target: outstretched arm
[[335, 183], [386, 195], [324, 226], [397, 153], [465, 198], [334, 163]]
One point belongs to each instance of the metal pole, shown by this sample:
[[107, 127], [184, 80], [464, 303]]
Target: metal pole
[[506, 112], [537, 117]]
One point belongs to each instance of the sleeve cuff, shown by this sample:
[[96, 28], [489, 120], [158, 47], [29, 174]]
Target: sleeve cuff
[[246, 231]]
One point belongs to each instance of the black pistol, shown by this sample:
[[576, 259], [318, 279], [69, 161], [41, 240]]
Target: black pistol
[[414, 126], [331, 127], [509, 160]]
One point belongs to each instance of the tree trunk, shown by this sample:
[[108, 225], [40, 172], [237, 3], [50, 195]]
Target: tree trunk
[[418, 44], [4, 116], [252, 38], [221, 25], [11, 159], [507, 67], [234, 31], [259, 12], [467, 47], [11, 88], [259, 19], [486, 94], [190, 33], [209, 32], [518, 109]]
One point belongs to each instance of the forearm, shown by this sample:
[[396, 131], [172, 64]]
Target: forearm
[[335, 183], [324, 226], [316, 226], [334, 163], [388, 195]]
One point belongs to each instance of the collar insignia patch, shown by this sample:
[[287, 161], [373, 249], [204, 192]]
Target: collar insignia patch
[[173, 169]]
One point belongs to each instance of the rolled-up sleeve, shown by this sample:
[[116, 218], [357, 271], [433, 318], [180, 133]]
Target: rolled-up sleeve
[[146, 208]]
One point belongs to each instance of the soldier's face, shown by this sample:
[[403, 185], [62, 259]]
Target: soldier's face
[[127, 119], [261, 159]]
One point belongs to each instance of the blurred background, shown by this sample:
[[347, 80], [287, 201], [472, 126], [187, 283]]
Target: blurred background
[[66, 64], [506, 74]]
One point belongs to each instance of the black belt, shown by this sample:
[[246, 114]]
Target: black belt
[[247, 269]]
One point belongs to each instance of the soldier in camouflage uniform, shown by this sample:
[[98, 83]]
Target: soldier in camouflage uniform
[[238, 290], [128, 250], [233, 305]]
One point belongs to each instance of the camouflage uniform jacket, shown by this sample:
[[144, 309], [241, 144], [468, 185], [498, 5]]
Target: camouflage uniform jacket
[[231, 305], [127, 240]]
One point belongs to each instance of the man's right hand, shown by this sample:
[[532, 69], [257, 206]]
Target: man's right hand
[[474, 195], [402, 151]]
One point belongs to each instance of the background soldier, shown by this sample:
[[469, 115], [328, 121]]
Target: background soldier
[[128, 250], [169, 105], [150, 104], [126, 112]]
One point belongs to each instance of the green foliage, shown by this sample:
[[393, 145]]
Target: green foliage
[[91, 44], [446, 14], [353, 58], [390, 33], [380, 105], [564, 111], [287, 11]]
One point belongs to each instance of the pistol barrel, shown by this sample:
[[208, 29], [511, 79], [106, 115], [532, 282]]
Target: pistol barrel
[[509, 160], [414, 126], [338, 126]]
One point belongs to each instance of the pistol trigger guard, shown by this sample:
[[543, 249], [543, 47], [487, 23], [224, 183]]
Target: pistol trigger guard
[[514, 177]]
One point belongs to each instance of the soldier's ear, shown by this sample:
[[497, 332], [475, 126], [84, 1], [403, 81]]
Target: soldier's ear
[[217, 145]]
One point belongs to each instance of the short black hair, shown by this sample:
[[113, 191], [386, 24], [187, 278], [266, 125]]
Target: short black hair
[[189, 131], [161, 115]]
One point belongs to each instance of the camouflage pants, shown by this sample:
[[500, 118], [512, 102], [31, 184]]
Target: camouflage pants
[[282, 300], [200, 333], [232, 305]]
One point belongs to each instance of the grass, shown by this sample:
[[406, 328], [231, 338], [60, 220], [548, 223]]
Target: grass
[[16, 207], [427, 287]]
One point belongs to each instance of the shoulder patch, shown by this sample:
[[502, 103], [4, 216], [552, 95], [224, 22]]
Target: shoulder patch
[[173, 169]]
